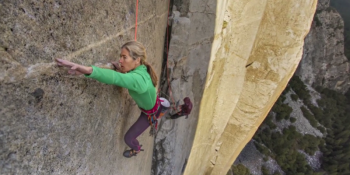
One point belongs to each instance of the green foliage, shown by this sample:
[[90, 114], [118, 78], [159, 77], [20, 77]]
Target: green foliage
[[292, 119], [294, 97], [336, 118], [283, 147], [264, 170], [268, 121], [262, 149], [299, 88], [309, 116], [317, 21], [240, 169], [317, 112], [332, 112], [321, 128], [282, 110]]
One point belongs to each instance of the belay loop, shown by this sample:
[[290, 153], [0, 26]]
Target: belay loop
[[154, 114], [151, 116]]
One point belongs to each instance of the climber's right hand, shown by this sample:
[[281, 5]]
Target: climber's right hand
[[116, 65]]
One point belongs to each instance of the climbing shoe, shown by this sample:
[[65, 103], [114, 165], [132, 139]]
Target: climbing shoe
[[131, 152]]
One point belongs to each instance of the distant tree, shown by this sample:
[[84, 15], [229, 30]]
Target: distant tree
[[299, 88], [264, 170], [321, 128], [309, 116], [292, 119], [294, 97], [276, 173], [240, 170]]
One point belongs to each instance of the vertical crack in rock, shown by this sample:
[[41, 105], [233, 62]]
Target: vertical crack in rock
[[55, 123]]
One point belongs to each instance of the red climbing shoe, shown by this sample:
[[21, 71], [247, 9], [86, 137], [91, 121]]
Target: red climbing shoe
[[184, 110]]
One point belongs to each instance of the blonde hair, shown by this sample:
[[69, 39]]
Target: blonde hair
[[137, 50]]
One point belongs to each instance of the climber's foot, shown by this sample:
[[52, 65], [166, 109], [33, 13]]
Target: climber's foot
[[131, 152]]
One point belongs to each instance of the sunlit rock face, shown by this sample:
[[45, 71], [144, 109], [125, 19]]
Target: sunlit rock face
[[324, 63], [53, 123], [256, 49]]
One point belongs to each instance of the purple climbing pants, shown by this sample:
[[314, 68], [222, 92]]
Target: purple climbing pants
[[137, 129]]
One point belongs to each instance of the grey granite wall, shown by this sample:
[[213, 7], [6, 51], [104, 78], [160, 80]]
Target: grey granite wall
[[189, 54], [54, 123], [324, 63]]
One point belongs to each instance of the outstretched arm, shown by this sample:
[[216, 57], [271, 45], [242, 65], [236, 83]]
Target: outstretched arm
[[74, 69], [131, 81], [77, 69]]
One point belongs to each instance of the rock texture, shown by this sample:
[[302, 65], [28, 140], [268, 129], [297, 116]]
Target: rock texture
[[251, 158], [256, 49], [52, 123], [324, 62]]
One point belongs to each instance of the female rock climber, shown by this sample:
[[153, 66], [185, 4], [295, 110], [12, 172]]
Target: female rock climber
[[135, 74]]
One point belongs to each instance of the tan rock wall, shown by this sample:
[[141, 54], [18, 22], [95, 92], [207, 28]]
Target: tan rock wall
[[256, 49], [53, 123]]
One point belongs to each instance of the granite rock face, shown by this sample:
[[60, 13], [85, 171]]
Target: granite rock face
[[324, 63], [54, 123]]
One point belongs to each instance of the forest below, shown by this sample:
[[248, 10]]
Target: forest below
[[288, 147], [330, 114]]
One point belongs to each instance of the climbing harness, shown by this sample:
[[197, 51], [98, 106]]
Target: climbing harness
[[152, 113], [151, 116]]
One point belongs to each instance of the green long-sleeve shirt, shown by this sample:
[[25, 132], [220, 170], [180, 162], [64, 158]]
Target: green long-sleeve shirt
[[137, 81]]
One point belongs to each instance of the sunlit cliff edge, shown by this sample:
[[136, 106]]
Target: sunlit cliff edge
[[256, 49]]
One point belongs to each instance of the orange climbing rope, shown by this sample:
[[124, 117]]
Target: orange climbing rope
[[137, 9]]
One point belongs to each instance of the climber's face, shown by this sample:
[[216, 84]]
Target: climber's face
[[127, 63]]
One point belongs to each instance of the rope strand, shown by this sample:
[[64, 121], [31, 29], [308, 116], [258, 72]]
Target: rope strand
[[137, 9]]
